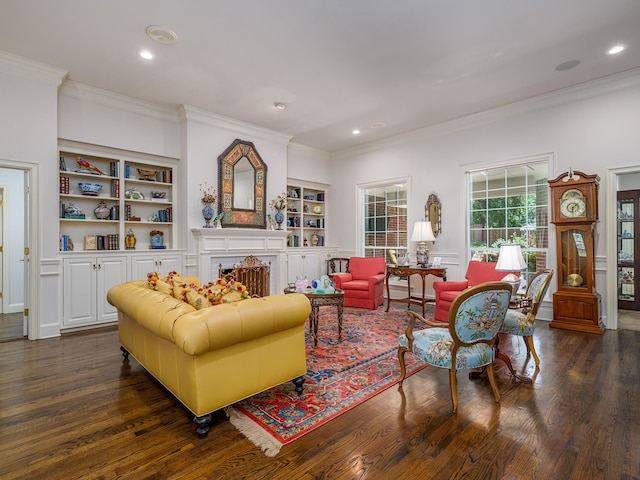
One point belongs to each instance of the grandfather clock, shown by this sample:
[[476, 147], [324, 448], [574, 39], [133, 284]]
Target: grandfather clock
[[574, 211]]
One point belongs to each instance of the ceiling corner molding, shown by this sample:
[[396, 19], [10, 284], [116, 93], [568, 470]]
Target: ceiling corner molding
[[99, 96], [575, 93], [25, 68], [294, 147], [194, 114]]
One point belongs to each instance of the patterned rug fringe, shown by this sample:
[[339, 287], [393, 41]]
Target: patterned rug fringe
[[254, 432]]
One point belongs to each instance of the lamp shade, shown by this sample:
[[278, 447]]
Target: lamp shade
[[510, 258], [422, 232]]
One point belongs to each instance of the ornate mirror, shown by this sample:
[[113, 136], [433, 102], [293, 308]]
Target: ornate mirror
[[243, 183], [433, 213]]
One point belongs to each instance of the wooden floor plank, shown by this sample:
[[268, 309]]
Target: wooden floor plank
[[70, 408]]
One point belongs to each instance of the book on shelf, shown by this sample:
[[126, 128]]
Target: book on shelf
[[63, 164], [115, 188], [127, 171], [320, 197], [65, 244], [113, 169], [64, 184]]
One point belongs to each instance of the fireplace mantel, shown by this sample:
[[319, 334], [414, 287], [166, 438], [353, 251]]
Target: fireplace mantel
[[215, 246]]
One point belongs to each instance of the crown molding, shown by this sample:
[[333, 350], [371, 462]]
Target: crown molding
[[299, 148], [194, 114], [99, 96], [25, 68], [575, 93]]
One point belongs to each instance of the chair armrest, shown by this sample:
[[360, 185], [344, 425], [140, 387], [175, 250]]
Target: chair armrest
[[413, 318], [439, 287], [448, 286], [377, 278], [340, 278]]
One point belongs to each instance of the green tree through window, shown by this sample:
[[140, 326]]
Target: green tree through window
[[510, 205]]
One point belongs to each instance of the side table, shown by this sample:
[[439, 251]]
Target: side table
[[318, 300], [406, 272]]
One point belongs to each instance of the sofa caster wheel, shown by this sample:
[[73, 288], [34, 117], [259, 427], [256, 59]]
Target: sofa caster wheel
[[203, 423], [125, 353]]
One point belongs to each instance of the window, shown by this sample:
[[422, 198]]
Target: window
[[385, 219], [510, 205]]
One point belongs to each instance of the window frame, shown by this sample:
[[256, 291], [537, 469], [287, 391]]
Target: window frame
[[539, 255], [362, 189]]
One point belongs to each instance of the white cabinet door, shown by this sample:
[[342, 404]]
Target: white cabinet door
[[302, 263], [86, 281], [79, 291], [111, 271], [162, 263], [141, 265], [170, 262]]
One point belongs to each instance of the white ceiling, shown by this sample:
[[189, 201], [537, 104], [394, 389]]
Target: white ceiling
[[337, 64]]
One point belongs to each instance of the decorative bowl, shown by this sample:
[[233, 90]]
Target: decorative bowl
[[158, 194], [149, 175], [89, 188]]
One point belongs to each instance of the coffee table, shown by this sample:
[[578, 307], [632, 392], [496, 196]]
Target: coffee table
[[318, 300]]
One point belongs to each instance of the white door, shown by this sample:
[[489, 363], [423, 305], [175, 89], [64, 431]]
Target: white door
[[79, 292], [2, 300], [111, 271], [169, 263], [141, 265]]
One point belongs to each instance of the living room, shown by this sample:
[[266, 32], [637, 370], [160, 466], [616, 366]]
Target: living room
[[590, 127]]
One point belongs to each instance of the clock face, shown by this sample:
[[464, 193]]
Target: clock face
[[573, 204], [317, 209]]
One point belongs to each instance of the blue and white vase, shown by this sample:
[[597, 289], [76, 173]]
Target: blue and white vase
[[207, 213], [279, 216]]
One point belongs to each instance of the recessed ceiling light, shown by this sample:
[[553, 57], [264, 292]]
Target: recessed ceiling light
[[568, 65], [280, 105], [378, 125], [356, 132], [146, 54], [161, 35], [616, 49]]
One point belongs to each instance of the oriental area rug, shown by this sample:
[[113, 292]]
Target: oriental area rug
[[341, 374]]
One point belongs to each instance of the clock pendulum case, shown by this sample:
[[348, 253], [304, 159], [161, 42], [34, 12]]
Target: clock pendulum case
[[574, 211]]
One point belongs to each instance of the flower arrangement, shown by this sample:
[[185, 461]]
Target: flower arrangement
[[208, 193], [280, 202], [153, 233]]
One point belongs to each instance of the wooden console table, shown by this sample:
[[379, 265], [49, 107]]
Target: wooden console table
[[406, 272]]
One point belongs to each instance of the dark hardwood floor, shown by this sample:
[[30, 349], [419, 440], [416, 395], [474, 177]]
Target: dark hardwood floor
[[72, 409]]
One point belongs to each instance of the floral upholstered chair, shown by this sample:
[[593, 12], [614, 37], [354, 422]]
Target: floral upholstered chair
[[522, 322], [468, 340]]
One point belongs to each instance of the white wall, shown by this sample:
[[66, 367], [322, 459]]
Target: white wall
[[589, 134], [28, 139]]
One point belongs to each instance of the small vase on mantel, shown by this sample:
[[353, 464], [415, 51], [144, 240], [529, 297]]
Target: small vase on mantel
[[279, 217], [207, 213]]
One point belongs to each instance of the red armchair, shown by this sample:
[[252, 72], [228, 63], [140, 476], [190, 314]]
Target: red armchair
[[446, 292], [363, 284]]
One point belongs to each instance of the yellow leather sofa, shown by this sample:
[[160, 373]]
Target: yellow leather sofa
[[213, 357]]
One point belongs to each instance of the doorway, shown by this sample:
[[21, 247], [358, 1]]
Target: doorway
[[617, 180], [13, 259]]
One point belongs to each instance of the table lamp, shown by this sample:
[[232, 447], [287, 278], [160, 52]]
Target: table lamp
[[422, 233], [510, 260]]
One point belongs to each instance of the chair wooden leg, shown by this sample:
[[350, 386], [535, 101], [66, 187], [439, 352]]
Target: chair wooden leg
[[454, 391], [492, 381], [528, 341], [403, 368]]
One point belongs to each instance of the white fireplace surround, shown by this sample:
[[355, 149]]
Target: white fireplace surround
[[229, 246]]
